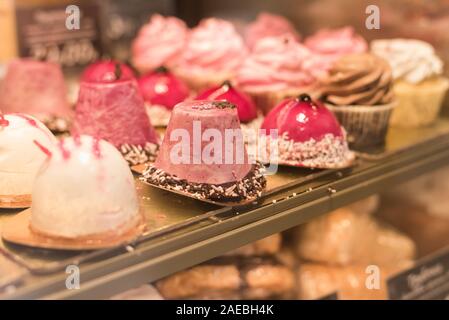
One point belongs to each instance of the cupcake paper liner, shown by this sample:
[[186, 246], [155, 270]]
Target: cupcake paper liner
[[418, 104], [366, 126]]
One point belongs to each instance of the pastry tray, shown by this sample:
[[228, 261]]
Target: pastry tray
[[184, 231]]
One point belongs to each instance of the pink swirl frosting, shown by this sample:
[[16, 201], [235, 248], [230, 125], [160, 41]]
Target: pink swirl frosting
[[268, 25], [328, 45], [159, 42], [213, 46], [276, 63]]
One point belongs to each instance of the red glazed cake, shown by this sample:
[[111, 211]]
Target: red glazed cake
[[36, 88], [113, 110], [250, 119], [308, 135], [104, 71], [203, 154], [246, 108], [161, 91]]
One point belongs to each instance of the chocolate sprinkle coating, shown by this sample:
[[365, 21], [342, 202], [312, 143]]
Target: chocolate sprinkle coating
[[223, 105], [135, 154], [246, 189]]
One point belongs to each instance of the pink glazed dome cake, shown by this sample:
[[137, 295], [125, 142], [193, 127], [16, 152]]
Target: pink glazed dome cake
[[308, 135], [36, 88], [203, 154], [113, 109]]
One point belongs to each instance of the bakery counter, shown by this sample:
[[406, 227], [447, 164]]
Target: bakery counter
[[183, 232]]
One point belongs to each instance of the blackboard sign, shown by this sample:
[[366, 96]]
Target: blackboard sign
[[427, 280]]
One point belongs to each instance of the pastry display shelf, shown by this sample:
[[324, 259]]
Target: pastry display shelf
[[295, 196]]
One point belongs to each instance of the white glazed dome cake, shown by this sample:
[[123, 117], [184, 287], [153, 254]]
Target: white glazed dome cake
[[20, 158], [84, 189]]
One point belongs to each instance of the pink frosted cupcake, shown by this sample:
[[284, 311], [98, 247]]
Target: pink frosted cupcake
[[329, 45], [268, 25], [278, 67], [159, 42], [213, 53]]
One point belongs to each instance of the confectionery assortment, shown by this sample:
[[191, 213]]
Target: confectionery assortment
[[201, 112]]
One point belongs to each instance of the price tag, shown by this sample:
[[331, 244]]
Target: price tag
[[427, 280]]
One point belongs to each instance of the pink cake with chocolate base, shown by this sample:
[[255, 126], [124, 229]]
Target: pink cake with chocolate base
[[308, 135], [113, 110], [203, 154], [36, 88]]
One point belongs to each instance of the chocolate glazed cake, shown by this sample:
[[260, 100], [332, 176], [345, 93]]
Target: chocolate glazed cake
[[203, 155]]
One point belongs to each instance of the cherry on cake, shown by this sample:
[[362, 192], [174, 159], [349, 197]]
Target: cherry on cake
[[112, 108], [306, 134], [85, 190], [203, 154], [20, 158], [36, 88]]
